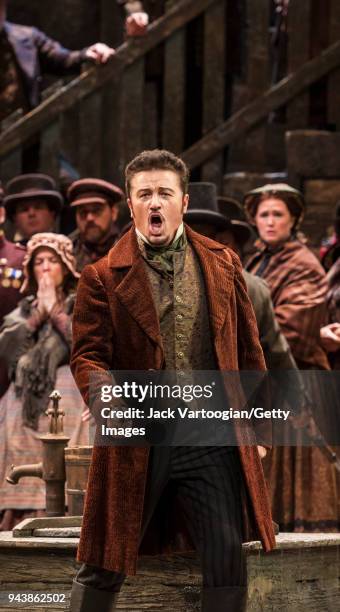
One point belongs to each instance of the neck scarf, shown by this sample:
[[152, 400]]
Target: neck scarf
[[163, 256]]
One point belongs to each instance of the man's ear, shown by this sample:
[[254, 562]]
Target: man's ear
[[130, 207], [185, 203]]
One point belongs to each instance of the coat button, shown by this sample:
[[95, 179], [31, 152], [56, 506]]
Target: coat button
[[178, 299], [180, 355], [179, 317]]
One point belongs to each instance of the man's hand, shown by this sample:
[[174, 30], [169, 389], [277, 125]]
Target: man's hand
[[330, 337], [136, 24], [46, 295], [262, 451], [99, 53]]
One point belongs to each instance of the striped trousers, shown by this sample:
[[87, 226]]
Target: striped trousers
[[208, 482]]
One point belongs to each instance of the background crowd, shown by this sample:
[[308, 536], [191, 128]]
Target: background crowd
[[295, 296], [48, 235]]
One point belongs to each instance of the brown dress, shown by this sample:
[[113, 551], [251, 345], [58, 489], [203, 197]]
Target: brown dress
[[302, 482]]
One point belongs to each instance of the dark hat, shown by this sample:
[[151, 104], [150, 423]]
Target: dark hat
[[32, 187], [94, 191], [234, 212], [292, 197], [203, 206], [232, 208]]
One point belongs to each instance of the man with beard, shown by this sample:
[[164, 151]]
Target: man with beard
[[96, 204]]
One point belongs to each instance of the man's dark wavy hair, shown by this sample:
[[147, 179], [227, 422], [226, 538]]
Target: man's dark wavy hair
[[157, 159]]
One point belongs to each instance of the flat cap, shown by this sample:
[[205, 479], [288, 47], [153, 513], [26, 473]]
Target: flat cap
[[93, 191]]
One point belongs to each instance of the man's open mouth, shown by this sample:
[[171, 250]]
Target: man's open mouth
[[155, 223]]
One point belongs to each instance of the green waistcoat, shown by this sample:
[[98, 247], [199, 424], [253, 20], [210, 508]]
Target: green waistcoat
[[181, 304]]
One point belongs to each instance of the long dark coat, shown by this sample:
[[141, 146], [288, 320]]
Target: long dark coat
[[116, 327]]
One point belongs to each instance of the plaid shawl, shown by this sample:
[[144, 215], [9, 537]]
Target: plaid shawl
[[298, 288]]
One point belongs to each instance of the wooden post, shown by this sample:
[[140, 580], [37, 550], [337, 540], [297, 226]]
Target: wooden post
[[334, 78], [214, 83], [299, 20], [250, 153], [131, 120], [174, 92], [70, 134], [151, 120], [50, 149], [90, 135], [112, 117]]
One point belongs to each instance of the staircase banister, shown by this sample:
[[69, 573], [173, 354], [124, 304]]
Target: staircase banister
[[257, 111], [97, 76]]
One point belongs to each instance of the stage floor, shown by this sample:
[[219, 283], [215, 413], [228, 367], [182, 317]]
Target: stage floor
[[303, 573]]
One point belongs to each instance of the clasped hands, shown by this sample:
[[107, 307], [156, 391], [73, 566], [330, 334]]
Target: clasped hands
[[46, 295]]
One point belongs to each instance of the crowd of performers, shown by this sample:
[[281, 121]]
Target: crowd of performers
[[295, 294], [48, 238]]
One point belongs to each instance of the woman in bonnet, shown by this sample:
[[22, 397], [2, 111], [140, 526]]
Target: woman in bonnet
[[35, 341], [302, 481]]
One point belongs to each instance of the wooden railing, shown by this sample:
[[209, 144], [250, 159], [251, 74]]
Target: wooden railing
[[202, 101], [104, 117]]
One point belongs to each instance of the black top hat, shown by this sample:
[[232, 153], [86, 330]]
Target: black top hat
[[203, 206], [235, 213], [32, 187], [232, 208]]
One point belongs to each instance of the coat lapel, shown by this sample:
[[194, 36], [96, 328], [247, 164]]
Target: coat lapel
[[218, 276], [134, 291]]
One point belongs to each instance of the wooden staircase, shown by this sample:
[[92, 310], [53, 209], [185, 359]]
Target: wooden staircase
[[107, 115]]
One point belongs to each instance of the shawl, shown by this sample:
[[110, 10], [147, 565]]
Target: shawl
[[33, 353], [333, 297], [298, 289]]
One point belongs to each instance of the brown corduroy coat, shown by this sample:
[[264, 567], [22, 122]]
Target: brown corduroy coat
[[115, 326]]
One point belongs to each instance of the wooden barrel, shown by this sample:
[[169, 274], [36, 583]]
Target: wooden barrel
[[77, 463]]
